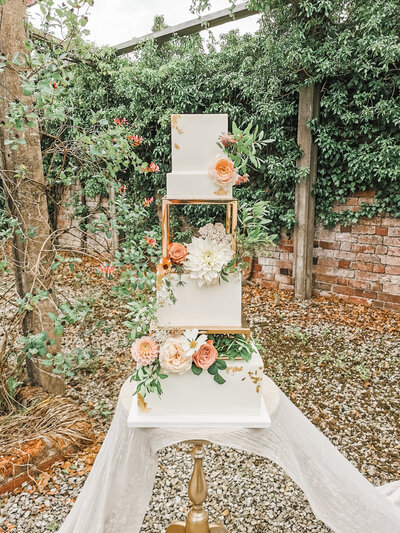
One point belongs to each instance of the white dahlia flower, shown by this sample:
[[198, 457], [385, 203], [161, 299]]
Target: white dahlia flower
[[205, 260]]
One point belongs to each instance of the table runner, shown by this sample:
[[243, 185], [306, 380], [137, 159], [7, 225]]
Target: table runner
[[117, 493]]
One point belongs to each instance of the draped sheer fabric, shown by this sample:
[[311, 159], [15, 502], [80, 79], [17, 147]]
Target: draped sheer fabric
[[117, 492]]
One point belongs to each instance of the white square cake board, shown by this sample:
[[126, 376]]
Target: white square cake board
[[136, 420]]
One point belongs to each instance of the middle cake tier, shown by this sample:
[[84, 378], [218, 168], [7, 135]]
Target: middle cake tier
[[202, 307]]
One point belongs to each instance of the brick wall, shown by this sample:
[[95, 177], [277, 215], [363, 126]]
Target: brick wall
[[69, 234], [359, 263]]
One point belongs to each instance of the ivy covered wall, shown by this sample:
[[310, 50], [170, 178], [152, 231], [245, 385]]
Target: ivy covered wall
[[352, 48]]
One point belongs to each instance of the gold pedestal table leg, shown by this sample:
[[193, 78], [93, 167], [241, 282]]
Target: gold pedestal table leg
[[197, 518]]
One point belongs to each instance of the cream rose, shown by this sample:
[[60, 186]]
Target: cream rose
[[174, 356], [206, 355], [223, 171]]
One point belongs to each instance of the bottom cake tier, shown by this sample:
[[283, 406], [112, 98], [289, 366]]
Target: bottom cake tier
[[191, 400]]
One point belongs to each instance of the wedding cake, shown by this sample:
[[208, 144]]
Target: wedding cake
[[198, 364]]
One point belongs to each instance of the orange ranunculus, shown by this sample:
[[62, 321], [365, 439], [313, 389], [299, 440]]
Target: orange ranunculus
[[223, 171], [177, 252]]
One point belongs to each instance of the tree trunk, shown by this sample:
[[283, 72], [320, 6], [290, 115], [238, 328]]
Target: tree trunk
[[25, 196]]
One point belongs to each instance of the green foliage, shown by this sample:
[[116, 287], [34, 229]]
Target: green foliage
[[149, 379], [35, 345], [68, 363], [253, 229], [233, 346]]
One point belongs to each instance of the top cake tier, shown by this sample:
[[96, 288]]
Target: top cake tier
[[194, 149]]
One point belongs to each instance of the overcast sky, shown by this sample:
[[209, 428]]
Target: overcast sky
[[115, 21]]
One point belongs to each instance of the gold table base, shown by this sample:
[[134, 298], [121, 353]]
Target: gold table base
[[197, 518]]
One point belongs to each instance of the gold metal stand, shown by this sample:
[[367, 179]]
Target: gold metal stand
[[197, 518]]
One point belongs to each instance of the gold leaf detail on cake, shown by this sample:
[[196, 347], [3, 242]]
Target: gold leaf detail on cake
[[142, 404], [174, 123], [176, 146], [255, 378], [233, 369], [221, 192]]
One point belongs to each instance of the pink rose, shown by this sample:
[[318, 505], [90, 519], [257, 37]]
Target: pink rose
[[205, 356], [177, 252], [223, 171], [227, 139], [145, 351]]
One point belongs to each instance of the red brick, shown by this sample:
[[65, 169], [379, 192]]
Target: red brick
[[394, 251], [365, 194], [363, 248], [358, 284], [342, 281], [339, 289], [343, 263], [322, 286], [367, 258], [393, 287], [345, 229], [392, 306], [392, 222], [285, 248], [285, 287], [345, 246], [270, 284], [325, 278], [394, 270], [381, 231], [379, 268], [387, 297], [391, 241], [329, 245], [381, 250], [362, 228], [327, 261], [285, 264], [390, 260], [257, 268], [266, 277], [374, 221], [365, 294], [366, 267], [359, 301], [370, 276], [351, 201], [377, 287], [378, 304], [370, 239], [283, 279]]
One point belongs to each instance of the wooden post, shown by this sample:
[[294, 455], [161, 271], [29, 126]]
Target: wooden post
[[309, 99]]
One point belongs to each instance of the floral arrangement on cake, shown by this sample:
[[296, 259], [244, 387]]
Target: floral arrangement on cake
[[239, 151], [164, 352]]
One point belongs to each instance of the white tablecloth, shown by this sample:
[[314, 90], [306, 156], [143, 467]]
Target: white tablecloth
[[117, 492]]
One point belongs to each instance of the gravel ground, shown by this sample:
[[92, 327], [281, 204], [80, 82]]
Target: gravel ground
[[338, 363]]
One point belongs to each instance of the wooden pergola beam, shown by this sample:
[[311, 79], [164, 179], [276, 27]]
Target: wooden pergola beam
[[211, 20]]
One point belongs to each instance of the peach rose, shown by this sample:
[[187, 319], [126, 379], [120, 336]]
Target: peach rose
[[145, 351], [223, 171], [206, 355], [177, 252], [174, 357]]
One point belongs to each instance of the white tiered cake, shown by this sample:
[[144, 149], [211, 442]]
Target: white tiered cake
[[194, 148], [215, 309]]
